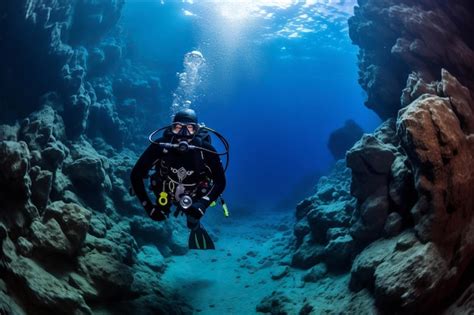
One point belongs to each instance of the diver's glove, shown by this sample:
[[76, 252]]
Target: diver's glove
[[156, 213], [198, 208]]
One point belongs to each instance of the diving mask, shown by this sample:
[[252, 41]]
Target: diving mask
[[185, 130]]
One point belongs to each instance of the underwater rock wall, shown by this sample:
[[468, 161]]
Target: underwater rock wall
[[72, 239], [70, 55], [402, 215], [399, 37]]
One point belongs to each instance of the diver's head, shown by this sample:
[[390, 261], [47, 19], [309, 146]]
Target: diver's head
[[185, 124]]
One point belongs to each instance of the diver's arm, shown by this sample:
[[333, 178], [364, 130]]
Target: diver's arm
[[140, 172], [214, 164], [216, 173]]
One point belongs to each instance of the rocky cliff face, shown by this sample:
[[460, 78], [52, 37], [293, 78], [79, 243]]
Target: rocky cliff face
[[72, 240], [402, 220], [399, 37], [67, 54]]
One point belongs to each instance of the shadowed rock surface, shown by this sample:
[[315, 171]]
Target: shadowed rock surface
[[72, 240], [397, 38]]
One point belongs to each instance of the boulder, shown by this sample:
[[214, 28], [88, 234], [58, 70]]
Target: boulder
[[370, 161], [179, 242], [146, 281], [374, 212], [125, 246], [88, 173], [338, 253], [334, 233], [76, 111], [97, 227], [111, 277], [411, 280], [44, 292], [364, 265], [53, 155], [301, 229], [41, 128], [149, 231], [42, 181], [48, 238], [328, 216], [105, 123], [151, 257], [315, 274], [73, 219], [83, 286], [308, 254]]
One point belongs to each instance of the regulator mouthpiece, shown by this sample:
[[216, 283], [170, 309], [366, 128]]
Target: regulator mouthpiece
[[183, 146]]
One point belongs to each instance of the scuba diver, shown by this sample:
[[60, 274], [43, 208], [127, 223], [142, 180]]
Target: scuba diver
[[186, 172]]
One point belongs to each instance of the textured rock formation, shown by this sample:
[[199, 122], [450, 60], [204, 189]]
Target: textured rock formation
[[410, 232], [72, 240], [400, 37], [64, 246], [80, 57], [433, 138], [322, 230], [410, 229]]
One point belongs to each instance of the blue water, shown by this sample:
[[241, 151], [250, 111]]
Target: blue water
[[277, 79]]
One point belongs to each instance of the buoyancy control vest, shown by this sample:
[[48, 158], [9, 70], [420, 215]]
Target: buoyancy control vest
[[177, 173]]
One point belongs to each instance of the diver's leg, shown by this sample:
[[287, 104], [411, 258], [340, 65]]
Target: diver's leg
[[198, 237], [192, 223]]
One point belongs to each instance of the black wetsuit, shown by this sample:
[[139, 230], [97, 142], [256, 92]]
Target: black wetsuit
[[198, 171]]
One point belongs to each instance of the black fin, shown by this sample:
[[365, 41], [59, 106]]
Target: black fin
[[199, 239]]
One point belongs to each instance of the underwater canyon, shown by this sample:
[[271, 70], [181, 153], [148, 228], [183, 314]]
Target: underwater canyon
[[388, 227]]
